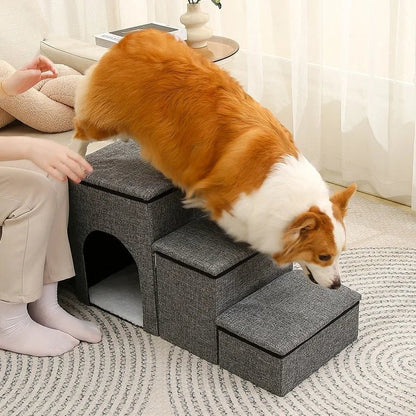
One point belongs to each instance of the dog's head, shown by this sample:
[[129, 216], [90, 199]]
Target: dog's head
[[315, 240]]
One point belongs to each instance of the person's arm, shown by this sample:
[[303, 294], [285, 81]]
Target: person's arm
[[55, 159], [26, 77]]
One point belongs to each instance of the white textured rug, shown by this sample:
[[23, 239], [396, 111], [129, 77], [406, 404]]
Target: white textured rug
[[133, 373]]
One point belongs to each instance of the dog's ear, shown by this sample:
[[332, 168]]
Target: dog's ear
[[295, 234], [341, 198], [300, 226]]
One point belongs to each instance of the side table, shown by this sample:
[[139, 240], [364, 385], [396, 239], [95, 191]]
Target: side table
[[219, 48]]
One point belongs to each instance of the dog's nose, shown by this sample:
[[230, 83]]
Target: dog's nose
[[336, 284]]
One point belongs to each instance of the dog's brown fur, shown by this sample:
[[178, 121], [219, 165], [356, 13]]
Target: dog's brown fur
[[156, 89], [196, 124]]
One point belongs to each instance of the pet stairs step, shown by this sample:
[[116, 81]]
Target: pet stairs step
[[201, 272], [200, 290], [116, 213], [279, 335]]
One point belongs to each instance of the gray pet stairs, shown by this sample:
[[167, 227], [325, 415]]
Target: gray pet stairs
[[179, 276]]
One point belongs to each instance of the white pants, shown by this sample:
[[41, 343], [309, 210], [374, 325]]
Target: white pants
[[34, 246]]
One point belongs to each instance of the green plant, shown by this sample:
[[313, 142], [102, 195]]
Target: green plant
[[216, 2]]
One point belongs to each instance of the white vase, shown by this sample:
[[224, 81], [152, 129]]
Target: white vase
[[194, 20]]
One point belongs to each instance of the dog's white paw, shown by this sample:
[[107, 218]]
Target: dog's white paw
[[122, 137], [79, 146]]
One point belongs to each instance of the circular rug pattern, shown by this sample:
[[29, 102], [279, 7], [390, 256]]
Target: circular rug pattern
[[113, 377], [133, 373]]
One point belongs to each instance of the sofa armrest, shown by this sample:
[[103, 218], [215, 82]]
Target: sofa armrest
[[71, 52]]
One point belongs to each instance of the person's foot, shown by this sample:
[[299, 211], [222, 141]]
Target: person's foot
[[20, 334], [46, 311]]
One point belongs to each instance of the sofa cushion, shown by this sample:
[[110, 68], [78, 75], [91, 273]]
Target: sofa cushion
[[72, 52], [18, 129], [22, 29]]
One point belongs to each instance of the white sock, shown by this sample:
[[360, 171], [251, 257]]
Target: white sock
[[19, 333], [47, 312]]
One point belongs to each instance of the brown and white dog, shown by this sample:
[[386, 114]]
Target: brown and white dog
[[230, 155]]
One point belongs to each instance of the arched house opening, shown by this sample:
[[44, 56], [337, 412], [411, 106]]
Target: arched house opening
[[113, 278]]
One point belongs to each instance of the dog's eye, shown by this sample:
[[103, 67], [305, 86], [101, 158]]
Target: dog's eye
[[325, 257]]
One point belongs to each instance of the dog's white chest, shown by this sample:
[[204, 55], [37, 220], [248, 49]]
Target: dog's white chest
[[260, 218]]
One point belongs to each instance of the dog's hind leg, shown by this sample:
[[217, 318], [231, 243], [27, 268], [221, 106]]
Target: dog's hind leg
[[86, 133]]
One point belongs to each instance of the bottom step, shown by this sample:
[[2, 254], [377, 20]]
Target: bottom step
[[285, 331]]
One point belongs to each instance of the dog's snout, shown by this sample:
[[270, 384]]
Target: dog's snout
[[336, 284], [325, 277]]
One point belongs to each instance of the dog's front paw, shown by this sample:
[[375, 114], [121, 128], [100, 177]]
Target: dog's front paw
[[79, 146]]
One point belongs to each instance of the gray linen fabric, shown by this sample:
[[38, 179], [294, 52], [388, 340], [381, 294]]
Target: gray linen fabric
[[120, 169], [280, 334], [202, 245], [200, 273], [128, 199]]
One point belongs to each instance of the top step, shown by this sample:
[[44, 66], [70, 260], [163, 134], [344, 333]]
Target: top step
[[119, 169]]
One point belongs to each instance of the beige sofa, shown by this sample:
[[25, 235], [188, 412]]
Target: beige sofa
[[24, 35]]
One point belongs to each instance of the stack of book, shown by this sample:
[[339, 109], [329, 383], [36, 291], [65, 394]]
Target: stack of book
[[108, 39]]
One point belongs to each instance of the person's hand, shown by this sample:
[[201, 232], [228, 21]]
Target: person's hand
[[29, 75], [57, 160]]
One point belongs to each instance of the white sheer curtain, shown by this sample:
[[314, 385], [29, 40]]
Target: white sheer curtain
[[339, 73]]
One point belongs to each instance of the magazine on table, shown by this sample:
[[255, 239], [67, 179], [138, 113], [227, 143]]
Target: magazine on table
[[108, 39]]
